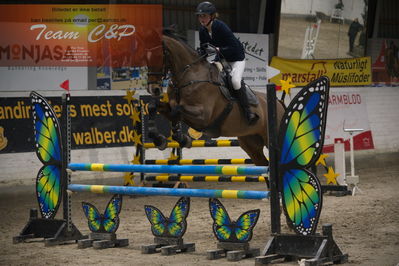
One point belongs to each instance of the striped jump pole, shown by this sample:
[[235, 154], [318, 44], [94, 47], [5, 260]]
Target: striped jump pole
[[172, 169], [199, 161], [199, 143], [221, 178], [179, 192]]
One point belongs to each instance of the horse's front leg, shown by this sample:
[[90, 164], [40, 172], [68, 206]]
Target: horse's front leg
[[159, 140], [183, 139], [164, 109]]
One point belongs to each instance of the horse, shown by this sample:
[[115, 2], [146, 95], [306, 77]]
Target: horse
[[196, 99]]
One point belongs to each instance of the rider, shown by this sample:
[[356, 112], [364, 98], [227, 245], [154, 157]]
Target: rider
[[217, 33]]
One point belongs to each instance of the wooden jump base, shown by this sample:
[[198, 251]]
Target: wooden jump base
[[171, 169], [178, 192], [199, 161], [199, 143], [221, 178]]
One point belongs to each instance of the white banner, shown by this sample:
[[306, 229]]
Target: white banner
[[347, 110], [256, 55], [27, 78]]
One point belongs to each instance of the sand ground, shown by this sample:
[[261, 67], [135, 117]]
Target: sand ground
[[366, 226]]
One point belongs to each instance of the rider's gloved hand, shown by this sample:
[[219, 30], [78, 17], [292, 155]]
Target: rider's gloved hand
[[211, 49], [201, 51], [207, 49]]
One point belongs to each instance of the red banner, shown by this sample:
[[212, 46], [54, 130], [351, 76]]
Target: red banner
[[79, 35]]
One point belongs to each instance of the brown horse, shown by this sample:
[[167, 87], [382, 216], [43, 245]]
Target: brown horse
[[195, 98]]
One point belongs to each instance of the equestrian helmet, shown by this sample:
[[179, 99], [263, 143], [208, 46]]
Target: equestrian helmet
[[205, 8]]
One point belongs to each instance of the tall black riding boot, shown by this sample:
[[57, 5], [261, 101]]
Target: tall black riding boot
[[242, 97]]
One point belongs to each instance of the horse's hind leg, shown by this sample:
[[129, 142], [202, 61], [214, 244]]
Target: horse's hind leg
[[253, 145]]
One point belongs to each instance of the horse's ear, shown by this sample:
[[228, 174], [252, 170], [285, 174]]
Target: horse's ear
[[174, 27], [170, 30]]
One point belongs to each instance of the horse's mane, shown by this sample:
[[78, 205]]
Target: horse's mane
[[172, 33]]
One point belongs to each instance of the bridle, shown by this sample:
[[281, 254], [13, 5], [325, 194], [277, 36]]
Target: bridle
[[163, 73]]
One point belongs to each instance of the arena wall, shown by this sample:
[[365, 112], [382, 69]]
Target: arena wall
[[382, 109]]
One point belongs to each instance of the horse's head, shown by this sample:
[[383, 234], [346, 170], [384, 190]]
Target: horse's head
[[156, 69], [174, 58], [153, 58]]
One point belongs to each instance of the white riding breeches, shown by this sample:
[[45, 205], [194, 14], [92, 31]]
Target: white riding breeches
[[237, 70]]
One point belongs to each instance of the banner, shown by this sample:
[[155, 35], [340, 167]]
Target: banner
[[39, 78], [256, 56], [347, 110], [100, 121], [342, 72], [78, 35]]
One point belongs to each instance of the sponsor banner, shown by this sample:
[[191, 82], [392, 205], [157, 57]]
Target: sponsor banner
[[347, 110], [342, 72], [78, 35], [39, 78], [256, 56], [99, 121], [385, 61]]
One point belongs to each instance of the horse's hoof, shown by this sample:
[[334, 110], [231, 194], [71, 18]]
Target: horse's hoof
[[183, 140], [162, 146], [159, 140], [187, 141]]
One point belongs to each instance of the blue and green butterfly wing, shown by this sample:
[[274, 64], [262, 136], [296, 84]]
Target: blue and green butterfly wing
[[107, 222], [47, 137], [177, 224], [301, 140], [94, 218], [302, 200], [222, 225], [48, 189], [245, 225], [111, 214], [157, 220]]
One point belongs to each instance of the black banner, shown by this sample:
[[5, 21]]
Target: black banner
[[97, 121]]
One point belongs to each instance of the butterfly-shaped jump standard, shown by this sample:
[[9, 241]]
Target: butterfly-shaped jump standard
[[227, 230], [47, 137], [107, 222], [175, 225], [301, 139]]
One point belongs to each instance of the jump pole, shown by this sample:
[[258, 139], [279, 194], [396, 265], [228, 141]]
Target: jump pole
[[177, 192], [209, 178], [199, 143], [199, 161], [171, 169]]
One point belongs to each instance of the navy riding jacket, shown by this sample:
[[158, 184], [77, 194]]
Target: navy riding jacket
[[223, 38]]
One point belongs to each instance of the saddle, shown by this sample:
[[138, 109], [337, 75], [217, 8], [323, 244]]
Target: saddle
[[226, 87]]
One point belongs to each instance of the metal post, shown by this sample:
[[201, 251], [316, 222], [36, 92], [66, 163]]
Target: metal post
[[66, 147], [351, 154], [273, 160], [353, 179]]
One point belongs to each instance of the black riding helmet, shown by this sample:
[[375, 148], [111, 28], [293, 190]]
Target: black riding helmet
[[205, 8]]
